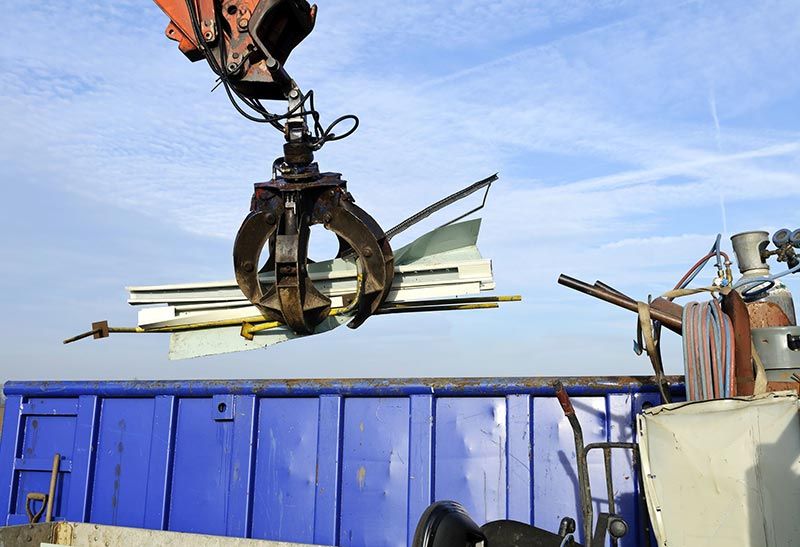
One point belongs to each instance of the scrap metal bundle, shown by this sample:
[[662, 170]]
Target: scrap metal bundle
[[442, 270], [720, 359]]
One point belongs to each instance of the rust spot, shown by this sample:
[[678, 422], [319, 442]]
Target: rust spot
[[388, 386], [361, 477], [766, 314], [34, 423], [120, 447], [117, 472]]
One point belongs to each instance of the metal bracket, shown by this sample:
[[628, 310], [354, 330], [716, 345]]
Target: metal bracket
[[62, 533], [222, 408]]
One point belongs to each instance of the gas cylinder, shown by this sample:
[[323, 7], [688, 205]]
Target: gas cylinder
[[749, 249]]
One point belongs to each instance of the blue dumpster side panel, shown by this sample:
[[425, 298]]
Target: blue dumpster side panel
[[123, 452], [375, 472], [286, 467], [334, 462], [202, 469], [470, 454]]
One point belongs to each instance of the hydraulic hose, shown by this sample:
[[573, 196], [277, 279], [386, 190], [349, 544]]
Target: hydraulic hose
[[752, 283], [708, 350]]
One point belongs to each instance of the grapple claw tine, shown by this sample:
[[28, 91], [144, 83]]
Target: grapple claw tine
[[256, 229], [302, 305], [366, 238]]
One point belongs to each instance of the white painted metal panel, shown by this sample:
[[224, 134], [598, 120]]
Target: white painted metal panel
[[723, 472]]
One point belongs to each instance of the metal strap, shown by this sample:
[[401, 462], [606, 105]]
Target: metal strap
[[441, 204]]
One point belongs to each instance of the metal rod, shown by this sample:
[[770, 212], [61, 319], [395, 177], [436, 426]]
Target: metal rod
[[387, 311], [609, 487], [670, 321], [441, 204], [580, 455], [81, 336], [456, 301], [606, 447], [609, 288], [660, 304], [257, 323], [611, 444], [52, 491], [248, 328]]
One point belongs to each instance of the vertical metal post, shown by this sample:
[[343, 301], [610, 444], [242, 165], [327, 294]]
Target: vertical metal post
[[609, 486], [420, 465], [80, 481], [580, 455], [329, 463], [10, 439]]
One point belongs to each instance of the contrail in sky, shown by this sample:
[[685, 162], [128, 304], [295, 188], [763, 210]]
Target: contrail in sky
[[712, 102]]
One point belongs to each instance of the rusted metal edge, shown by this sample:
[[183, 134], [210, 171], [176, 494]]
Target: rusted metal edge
[[487, 386]]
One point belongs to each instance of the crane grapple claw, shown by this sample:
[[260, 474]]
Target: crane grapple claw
[[281, 215], [246, 44]]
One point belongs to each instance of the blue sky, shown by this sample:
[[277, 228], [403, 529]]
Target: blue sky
[[626, 133]]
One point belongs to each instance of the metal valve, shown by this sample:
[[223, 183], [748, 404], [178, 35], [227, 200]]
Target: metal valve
[[785, 242], [781, 237], [785, 236]]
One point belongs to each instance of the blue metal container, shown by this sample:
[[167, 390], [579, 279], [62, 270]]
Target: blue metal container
[[333, 462]]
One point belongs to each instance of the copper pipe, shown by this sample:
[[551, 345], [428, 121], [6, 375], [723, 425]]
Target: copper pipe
[[661, 304], [670, 321]]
